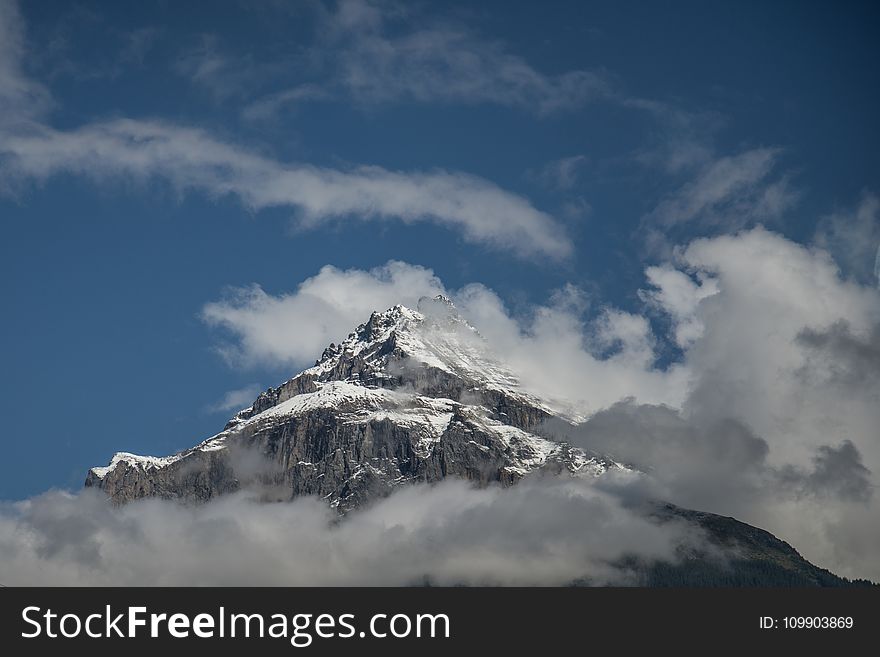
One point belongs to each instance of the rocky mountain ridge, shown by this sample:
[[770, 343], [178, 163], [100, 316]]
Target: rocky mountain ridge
[[409, 396]]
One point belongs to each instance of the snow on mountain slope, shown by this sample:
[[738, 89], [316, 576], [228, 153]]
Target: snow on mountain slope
[[408, 396], [400, 346]]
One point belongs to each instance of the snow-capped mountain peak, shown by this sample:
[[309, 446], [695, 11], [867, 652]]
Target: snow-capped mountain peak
[[432, 349], [409, 395]]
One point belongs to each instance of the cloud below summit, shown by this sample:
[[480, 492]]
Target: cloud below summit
[[540, 533]]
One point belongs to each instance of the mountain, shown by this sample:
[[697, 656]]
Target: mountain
[[409, 396], [415, 396]]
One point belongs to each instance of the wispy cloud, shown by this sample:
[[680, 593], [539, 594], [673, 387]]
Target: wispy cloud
[[21, 98], [122, 49], [732, 188], [683, 141], [191, 159], [211, 68], [853, 236], [235, 400], [561, 174], [271, 106], [376, 53]]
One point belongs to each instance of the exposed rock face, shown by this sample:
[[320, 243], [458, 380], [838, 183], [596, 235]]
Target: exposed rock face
[[409, 396]]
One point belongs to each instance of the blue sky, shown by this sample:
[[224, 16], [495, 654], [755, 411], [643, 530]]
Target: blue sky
[[154, 156]]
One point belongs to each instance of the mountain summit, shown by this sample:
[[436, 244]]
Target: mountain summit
[[408, 396]]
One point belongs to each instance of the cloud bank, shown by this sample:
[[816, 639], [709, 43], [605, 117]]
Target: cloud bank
[[543, 533]]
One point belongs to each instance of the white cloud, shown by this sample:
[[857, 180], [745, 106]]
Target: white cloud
[[777, 423], [583, 366], [293, 329], [683, 141], [775, 340], [679, 295], [731, 190], [540, 533], [747, 363], [761, 361], [191, 159], [235, 400], [224, 75], [270, 106], [371, 53], [445, 63]]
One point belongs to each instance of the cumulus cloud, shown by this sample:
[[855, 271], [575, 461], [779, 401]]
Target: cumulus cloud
[[540, 533], [839, 472], [786, 352], [295, 328], [749, 361], [723, 466], [192, 160], [837, 355], [678, 295], [582, 365], [695, 465]]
